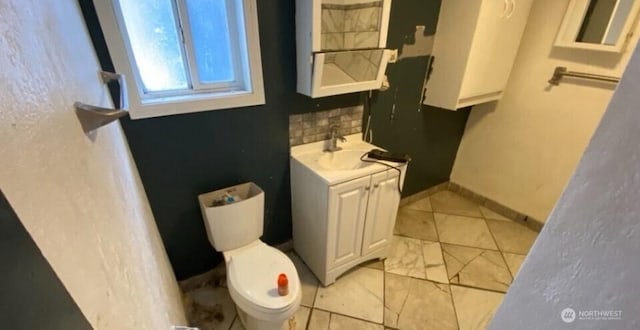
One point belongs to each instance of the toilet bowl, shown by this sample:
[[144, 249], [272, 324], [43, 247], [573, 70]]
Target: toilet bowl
[[252, 273], [233, 219]]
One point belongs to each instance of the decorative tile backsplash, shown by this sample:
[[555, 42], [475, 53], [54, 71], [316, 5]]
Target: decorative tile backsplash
[[315, 126]]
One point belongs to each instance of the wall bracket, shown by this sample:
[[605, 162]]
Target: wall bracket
[[92, 117]]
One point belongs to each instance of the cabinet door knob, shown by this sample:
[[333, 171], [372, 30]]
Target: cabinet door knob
[[376, 186], [367, 188]]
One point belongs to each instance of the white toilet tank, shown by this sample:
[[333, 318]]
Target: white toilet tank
[[231, 225]]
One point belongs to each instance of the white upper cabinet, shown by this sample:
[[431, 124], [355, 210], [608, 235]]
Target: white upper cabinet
[[340, 45], [475, 46], [601, 25]]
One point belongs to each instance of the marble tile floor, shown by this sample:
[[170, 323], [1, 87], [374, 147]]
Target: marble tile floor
[[450, 264]]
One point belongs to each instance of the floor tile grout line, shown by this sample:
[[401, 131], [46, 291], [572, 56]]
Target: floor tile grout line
[[481, 289], [233, 321], [482, 219], [441, 255], [518, 254], [444, 261], [315, 296], [493, 263], [432, 218], [453, 301], [404, 301], [435, 283], [450, 283], [465, 265], [456, 284], [458, 215], [473, 247], [435, 225], [501, 254], [384, 295], [455, 309], [350, 316], [424, 262], [513, 276]]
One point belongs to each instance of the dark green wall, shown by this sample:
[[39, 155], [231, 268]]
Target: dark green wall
[[31, 295], [181, 156], [431, 136]]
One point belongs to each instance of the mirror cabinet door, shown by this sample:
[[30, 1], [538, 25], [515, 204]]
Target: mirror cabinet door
[[353, 24], [348, 71]]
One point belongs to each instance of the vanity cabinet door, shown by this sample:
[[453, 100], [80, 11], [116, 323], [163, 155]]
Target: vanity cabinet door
[[347, 210], [382, 209]]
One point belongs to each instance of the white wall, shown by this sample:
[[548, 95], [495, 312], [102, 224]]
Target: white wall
[[522, 150], [81, 199], [586, 257]]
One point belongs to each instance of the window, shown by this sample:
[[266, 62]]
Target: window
[[184, 56]]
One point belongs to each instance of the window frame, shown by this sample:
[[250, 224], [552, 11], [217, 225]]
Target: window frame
[[200, 97]]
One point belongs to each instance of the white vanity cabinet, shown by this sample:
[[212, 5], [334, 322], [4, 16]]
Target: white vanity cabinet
[[475, 46], [337, 226], [361, 216]]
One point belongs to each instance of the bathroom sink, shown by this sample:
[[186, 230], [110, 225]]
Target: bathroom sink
[[338, 166], [342, 160]]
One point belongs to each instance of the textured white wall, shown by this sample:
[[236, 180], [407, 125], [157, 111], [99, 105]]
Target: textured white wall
[[80, 199], [522, 150], [586, 256]]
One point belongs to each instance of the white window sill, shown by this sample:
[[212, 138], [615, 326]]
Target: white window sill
[[175, 105]]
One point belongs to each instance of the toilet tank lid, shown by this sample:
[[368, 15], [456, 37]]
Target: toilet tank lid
[[253, 273]]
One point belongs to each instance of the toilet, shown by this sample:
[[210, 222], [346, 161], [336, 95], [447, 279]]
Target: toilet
[[234, 220]]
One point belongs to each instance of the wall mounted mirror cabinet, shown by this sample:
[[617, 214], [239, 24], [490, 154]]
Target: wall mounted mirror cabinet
[[601, 25], [340, 45]]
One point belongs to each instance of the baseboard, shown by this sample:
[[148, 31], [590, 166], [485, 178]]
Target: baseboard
[[425, 193], [530, 222]]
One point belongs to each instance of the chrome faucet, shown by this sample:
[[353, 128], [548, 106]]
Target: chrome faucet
[[333, 139]]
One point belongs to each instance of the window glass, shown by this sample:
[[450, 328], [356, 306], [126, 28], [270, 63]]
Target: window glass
[[155, 44], [210, 32], [184, 56]]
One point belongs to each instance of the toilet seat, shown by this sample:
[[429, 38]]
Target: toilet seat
[[252, 274]]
